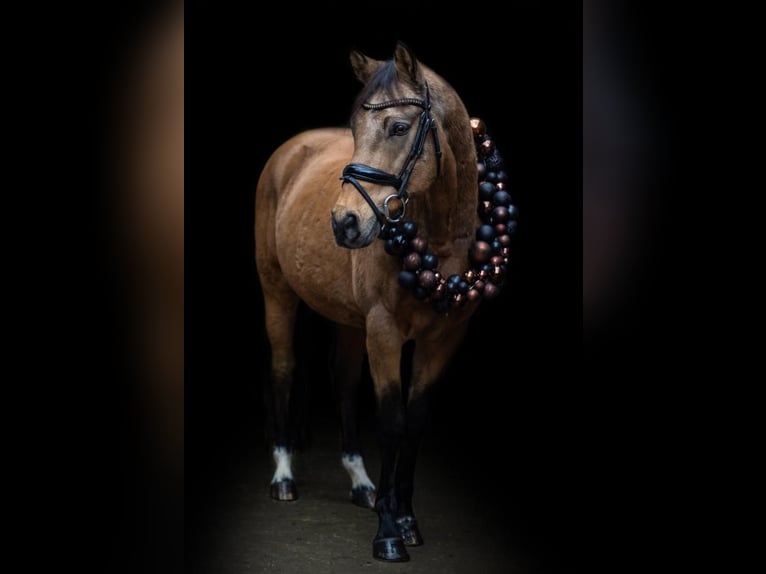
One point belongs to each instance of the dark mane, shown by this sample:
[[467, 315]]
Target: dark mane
[[383, 80]]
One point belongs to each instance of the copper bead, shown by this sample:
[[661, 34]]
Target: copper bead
[[438, 292], [506, 253], [479, 286], [473, 295], [505, 240], [470, 276], [483, 274], [487, 147], [500, 186], [480, 252], [427, 279], [412, 262], [496, 260], [490, 291], [458, 299], [485, 208], [478, 127], [419, 245], [501, 229], [497, 274]]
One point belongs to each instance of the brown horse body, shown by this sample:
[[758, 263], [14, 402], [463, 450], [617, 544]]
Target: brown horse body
[[351, 280]]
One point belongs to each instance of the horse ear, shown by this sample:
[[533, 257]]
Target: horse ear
[[407, 65], [363, 66]]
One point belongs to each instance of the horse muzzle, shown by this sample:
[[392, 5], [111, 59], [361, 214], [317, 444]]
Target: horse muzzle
[[350, 232]]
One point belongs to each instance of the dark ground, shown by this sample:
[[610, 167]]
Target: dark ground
[[324, 533]]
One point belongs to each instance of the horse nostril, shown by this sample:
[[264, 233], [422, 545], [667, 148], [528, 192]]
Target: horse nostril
[[351, 221]]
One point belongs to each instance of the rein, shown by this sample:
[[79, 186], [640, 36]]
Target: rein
[[354, 172]]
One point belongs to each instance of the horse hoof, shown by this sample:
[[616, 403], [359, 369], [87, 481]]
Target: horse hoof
[[389, 550], [284, 490], [408, 528], [363, 496]]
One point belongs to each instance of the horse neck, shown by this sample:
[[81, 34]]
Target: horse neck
[[448, 208]]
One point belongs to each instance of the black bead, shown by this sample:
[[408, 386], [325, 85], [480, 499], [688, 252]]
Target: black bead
[[511, 227], [400, 244], [496, 246], [513, 212], [429, 261], [388, 245], [485, 233], [391, 231], [502, 198], [494, 162], [502, 176], [486, 191], [408, 279], [452, 284], [410, 229], [491, 177]]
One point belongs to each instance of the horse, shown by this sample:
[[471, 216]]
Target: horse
[[315, 231]]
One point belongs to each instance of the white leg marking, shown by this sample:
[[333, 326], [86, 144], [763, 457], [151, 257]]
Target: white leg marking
[[283, 459], [354, 465]]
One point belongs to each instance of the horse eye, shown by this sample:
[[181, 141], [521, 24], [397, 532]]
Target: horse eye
[[399, 129]]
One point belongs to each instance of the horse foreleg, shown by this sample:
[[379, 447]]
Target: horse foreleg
[[384, 348], [429, 362], [281, 307], [346, 370]]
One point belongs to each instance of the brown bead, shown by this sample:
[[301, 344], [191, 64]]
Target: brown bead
[[480, 252], [473, 295], [505, 240], [496, 260], [506, 253], [478, 127], [501, 228], [485, 208], [483, 275], [412, 262], [487, 147], [427, 280], [479, 286], [419, 245], [500, 214], [500, 186], [490, 291], [438, 292], [470, 276]]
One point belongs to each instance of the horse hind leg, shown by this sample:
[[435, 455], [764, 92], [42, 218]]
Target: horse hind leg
[[346, 371], [281, 306]]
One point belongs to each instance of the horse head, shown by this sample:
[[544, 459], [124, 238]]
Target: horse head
[[397, 151]]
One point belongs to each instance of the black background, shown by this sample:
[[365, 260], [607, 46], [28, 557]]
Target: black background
[[253, 80]]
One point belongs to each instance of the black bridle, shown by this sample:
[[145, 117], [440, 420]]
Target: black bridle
[[357, 171]]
